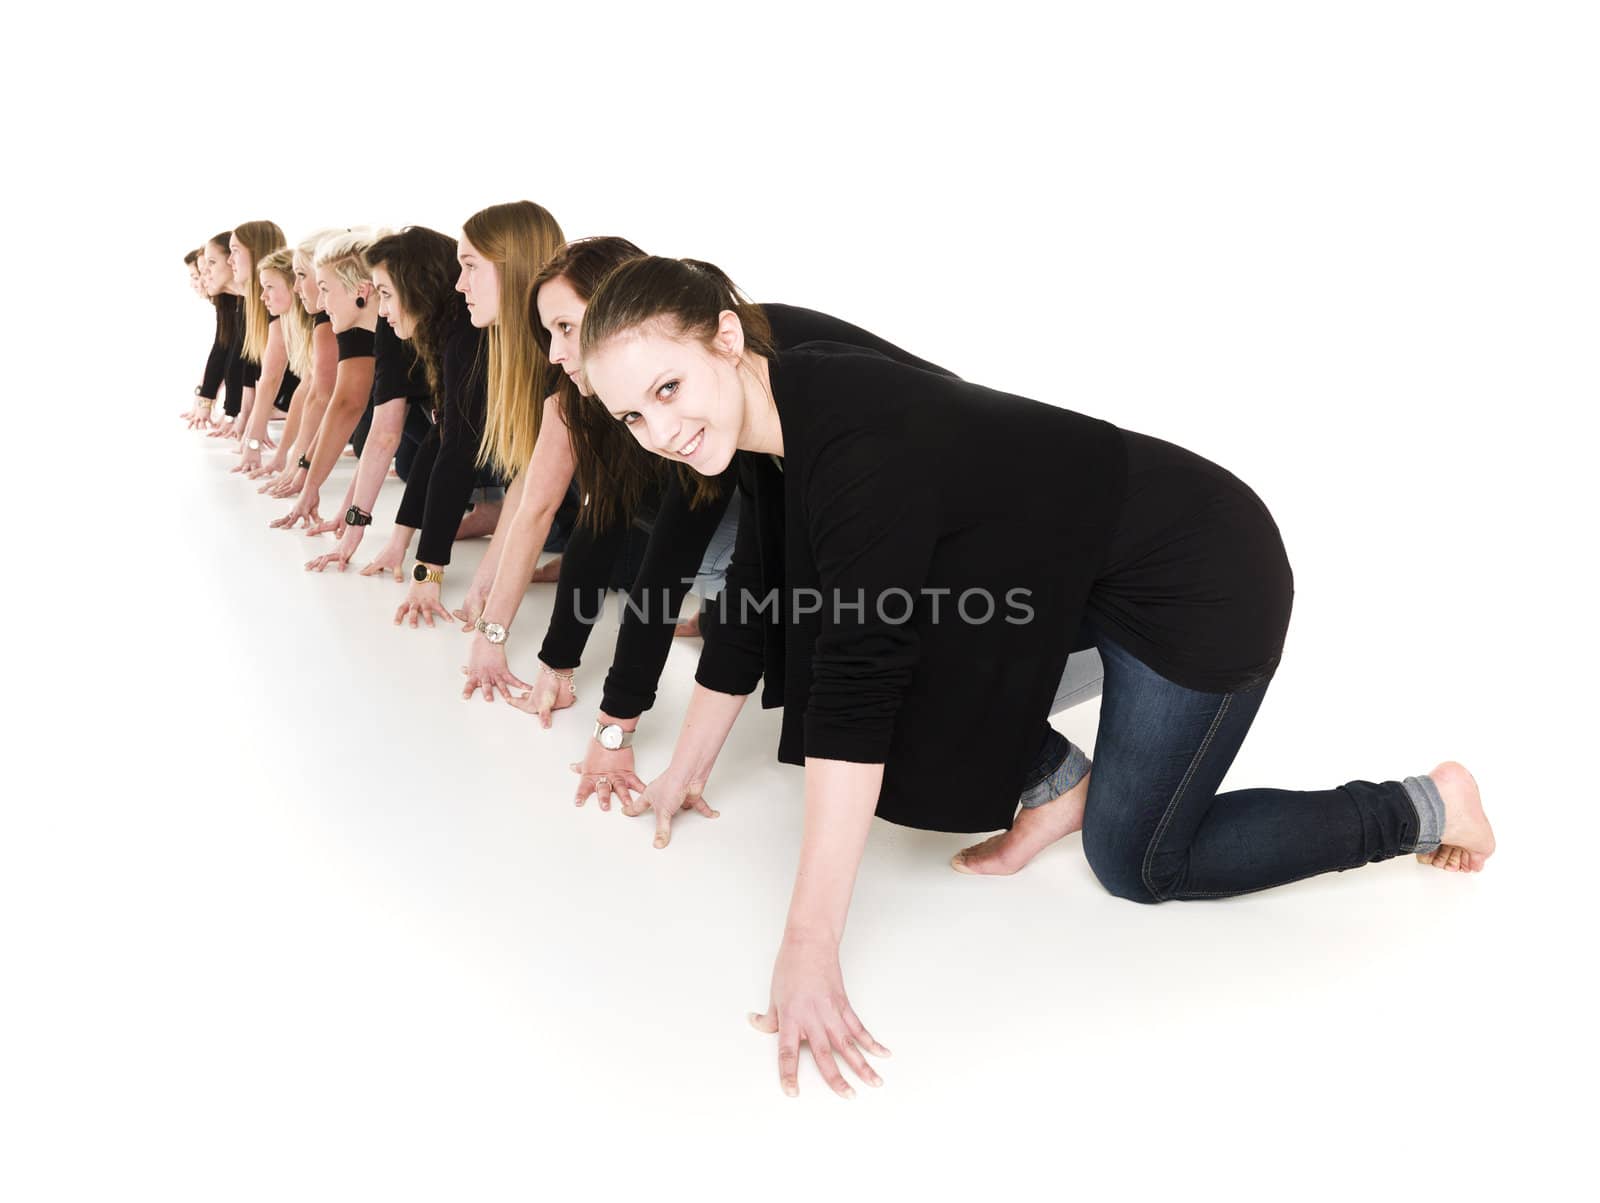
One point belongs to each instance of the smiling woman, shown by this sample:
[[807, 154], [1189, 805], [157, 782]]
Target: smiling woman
[[924, 619]]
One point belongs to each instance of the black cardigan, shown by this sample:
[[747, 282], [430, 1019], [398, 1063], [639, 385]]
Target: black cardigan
[[679, 536]]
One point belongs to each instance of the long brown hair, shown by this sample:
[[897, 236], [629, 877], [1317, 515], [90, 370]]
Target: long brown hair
[[422, 266], [260, 238], [517, 238]]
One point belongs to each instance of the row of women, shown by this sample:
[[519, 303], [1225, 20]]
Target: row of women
[[919, 570]]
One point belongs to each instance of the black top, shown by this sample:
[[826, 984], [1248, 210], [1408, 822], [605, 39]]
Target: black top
[[354, 343], [234, 368], [445, 469], [898, 479], [398, 372], [679, 536], [320, 318], [217, 361]]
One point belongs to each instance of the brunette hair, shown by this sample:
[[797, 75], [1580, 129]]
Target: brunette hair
[[517, 238], [227, 303], [614, 473], [192, 257], [260, 238], [422, 265]]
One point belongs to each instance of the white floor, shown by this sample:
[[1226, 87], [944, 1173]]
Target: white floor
[[292, 921]]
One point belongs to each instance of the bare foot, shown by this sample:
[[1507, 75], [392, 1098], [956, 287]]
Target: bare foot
[[479, 520], [1034, 830], [689, 628], [1467, 841], [546, 574]]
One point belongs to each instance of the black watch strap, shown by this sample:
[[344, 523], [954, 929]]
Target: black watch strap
[[356, 516], [303, 462]]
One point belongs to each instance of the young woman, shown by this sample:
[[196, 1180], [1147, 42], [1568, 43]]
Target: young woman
[[247, 244], [287, 319], [344, 287], [225, 308], [498, 256], [413, 274], [222, 371], [926, 625], [396, 430], [306, 417]]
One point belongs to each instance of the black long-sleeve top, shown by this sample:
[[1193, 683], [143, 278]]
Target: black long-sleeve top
[[445, 469], [217, 361], [234, 367], [679, 536], [897, 479], [397, 372]]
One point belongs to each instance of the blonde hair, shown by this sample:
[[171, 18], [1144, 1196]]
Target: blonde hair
[[260, 238], [297, 323], [517, 238], [345, 257]]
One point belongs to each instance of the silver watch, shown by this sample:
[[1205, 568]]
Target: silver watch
[[254, 444], [492, 631], [611, 736]]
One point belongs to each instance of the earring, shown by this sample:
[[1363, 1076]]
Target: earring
[[361, 302]]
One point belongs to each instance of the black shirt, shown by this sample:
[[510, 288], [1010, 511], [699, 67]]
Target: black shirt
[[445, 471], [896, 479], [398, 372], [679, 536], [354, 343], [217, 361], [234, 366]]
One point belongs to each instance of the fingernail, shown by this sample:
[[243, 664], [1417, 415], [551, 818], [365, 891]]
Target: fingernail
[[790, 1090], [849, 1093]]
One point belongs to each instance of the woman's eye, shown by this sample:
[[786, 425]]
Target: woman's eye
[[665, 392], [629, 418]]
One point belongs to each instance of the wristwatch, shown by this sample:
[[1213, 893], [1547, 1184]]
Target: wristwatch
[[492, 631], [253, 444], [303, 462], [423, 573], [199, 390], [356, 516], [611, 736]]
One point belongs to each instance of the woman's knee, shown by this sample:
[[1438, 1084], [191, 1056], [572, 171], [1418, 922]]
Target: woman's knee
[[1118, 862]]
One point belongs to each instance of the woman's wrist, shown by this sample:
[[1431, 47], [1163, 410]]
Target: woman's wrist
[[608, 720]]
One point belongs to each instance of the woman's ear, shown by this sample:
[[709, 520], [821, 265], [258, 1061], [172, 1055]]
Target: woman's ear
[[729, 338]]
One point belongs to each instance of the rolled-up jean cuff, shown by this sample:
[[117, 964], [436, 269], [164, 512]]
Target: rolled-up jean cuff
[[1074, 767], [1424, 795]]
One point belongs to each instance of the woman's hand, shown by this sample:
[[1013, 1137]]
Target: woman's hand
[[808, 1003], [199, 417], [486, 669], [390, 559], [288, 484], [472, 605], [667, 795], [550, 692], [341, 555], [422, 601], [336, 525], [249, 460], [266, 442], [305, 511], [224, 429], [603, 773]]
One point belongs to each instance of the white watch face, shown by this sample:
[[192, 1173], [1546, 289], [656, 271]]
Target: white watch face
[[611, 737], [494, 632], [255, 444]]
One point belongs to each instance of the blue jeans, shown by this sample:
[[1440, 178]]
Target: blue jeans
[[1155, 827]]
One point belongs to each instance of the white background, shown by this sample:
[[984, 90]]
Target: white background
[[283, 919]]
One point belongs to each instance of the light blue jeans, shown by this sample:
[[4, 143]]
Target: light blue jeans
[[713, 572]]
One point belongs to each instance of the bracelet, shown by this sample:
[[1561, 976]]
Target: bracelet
[[303, 462], [560, 674]]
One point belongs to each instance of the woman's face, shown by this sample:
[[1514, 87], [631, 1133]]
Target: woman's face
[[339, 300], [479, 283], [305, 283], [680, 399], [196, 282], [561, 313], [276, 293], [389, 307], [239, 262], [215, 270]]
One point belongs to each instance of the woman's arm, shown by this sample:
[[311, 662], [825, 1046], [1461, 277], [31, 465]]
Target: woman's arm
[[352, 389], [383, 439], [483, 579], [545, 482], [274, 360], [324, 372]]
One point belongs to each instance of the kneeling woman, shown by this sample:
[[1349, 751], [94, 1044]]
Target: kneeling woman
[[927, 617]]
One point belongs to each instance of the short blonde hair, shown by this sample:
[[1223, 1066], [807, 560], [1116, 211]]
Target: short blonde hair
[[344, 256]]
